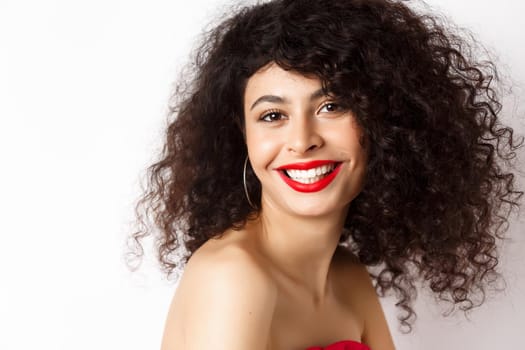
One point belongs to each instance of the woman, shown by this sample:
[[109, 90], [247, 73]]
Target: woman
[[317, 138]]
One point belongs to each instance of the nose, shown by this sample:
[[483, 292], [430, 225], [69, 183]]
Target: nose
[[303, 135]]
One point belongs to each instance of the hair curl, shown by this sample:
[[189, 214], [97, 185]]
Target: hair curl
[[437, 195]]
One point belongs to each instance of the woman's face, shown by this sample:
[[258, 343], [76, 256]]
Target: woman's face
[[302, 146]]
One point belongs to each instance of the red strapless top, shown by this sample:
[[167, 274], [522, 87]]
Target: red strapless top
[[342, 345]]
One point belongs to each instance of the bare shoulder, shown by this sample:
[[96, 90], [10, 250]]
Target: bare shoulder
[[224, 300], [222, 266], [362, 298]]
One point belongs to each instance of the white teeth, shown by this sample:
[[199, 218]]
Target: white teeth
[[311, 175]]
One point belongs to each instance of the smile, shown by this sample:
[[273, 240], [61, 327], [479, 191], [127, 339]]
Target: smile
[[309, 176]]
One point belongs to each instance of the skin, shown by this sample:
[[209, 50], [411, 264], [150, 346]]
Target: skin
[[282, 283]]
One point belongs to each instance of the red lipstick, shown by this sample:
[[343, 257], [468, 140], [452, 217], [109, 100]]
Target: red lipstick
[[312, 187], [306, 165]]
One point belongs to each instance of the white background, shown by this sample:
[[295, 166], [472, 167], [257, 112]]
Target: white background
[[83, 95]]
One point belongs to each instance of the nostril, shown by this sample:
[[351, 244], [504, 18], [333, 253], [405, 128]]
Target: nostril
[[311, 147], [304, 140]]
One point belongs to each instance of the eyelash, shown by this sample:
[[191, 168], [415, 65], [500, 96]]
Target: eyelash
[[269, 113], [277, 112], [336, 109]]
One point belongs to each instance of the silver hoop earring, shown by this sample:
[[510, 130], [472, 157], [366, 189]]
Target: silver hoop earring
[[244, 183]]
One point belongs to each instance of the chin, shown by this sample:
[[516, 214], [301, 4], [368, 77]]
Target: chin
[[307, 205], [316, 209]]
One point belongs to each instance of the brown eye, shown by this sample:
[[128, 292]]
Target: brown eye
[[330, 107], [272, 117]]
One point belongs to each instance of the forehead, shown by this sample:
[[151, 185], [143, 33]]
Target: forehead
[[273, 80]]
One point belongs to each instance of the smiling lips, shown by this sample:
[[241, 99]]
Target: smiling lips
[[309, 176]]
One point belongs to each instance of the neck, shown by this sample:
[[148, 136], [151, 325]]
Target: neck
[[301, 248]]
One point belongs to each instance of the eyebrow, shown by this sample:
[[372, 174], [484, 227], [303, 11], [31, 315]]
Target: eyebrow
[[283, 100]]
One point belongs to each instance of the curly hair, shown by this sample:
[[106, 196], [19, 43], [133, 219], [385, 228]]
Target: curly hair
[[438, 191]]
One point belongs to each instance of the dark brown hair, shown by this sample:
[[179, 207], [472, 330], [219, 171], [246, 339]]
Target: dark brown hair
[[437, 195]]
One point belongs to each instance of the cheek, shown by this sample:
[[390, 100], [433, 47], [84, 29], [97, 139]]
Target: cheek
[[346, 138], [263, 146]]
